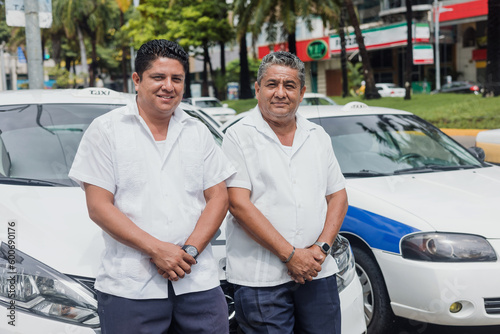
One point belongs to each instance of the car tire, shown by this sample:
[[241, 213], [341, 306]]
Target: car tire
[[378, 313]]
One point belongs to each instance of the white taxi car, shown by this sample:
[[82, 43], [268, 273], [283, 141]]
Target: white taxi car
[[50, 250], [212, 106], [423, 217]]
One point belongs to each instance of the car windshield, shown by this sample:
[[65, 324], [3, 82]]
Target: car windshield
[[379, 145], [208, 104], [38, 142]]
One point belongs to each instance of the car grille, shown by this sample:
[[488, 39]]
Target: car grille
[[492, 305]]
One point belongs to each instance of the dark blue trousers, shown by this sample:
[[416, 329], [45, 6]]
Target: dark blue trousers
[[198, 312], [313, 307]]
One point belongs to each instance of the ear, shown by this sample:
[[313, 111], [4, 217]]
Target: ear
[[257, 88], [136, 79], [302, 92]]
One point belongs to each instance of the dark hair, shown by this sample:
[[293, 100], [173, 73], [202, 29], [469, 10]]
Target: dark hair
[[282, 58], [159, 48]]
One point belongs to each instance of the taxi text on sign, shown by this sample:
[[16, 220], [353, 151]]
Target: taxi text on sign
[[14, 10]]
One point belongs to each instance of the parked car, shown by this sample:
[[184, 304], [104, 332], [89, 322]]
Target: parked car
[[316, 99], [390, 90], [212, 106], [422, 218], [464, 87], [50, 249], [489, 141]]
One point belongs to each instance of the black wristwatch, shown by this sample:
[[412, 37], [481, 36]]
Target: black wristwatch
[[191, 250], [325, 247]]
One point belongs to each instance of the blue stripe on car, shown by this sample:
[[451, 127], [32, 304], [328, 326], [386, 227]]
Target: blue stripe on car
[[378, 231]]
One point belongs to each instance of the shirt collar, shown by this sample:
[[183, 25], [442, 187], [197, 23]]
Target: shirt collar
[[179, 115]]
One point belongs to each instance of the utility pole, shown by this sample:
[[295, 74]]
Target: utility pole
[[436, 41], [33, 45]]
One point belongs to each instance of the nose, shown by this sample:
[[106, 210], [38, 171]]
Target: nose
[[280, 91], [167, 85]]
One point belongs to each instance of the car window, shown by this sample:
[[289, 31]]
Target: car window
[[215, 134], [39, 142], [391, 143]]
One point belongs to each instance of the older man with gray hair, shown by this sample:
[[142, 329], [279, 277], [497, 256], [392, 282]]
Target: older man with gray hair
[[287, 203]]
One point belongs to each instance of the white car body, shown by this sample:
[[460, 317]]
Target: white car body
[[213, 107], [390, 90], [489, 141], [50, 226], [386, 209]]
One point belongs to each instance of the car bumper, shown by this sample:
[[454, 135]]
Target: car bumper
[[27, 323], [424, 291], [351, 303]]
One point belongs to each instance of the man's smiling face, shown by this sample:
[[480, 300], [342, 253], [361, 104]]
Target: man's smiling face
[[161, 87], [279, 93]]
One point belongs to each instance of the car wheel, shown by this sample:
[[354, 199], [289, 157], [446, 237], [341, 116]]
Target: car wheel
[[378, 313]]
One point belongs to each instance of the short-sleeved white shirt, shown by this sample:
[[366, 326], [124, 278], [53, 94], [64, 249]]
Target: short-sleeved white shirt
[[161, 192], [289, 188]]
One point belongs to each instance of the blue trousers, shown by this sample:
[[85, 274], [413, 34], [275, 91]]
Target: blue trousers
[[198, 312], [313, 307]]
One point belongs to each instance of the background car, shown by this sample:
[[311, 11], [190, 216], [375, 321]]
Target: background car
[[422, 218], [464, 87], [390, 90], [489, 141], [212, 106], [49, 248], [316, 99]]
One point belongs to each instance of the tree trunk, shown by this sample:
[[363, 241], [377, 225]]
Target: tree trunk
[[223, 93], [370, 90], [493, 49], [212, 74], [93, 65], [409, 50], [124, 58], [245, 91], [292, 43], [343, 54], [204, 83], [83, 56]]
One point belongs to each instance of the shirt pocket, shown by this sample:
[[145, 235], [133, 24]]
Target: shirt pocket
[[192, 164]]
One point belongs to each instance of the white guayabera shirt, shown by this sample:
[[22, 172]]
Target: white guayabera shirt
[[161, 192], [289, 188]]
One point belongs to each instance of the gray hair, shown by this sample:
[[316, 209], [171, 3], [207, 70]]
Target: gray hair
[[282, 58]]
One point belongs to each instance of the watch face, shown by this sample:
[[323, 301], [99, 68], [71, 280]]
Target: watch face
[[325, 247], [191, 250]]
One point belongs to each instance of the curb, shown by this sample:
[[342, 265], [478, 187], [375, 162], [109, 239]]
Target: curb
[[462, 132]]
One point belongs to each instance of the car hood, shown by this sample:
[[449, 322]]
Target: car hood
[[219, 111], [466, 201], [53, 226]]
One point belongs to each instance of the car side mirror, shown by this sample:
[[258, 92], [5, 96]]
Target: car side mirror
[[225, 105], [478, 152]]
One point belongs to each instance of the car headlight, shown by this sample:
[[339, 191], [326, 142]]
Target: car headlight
[[30, 286], [342, 253], [447, 247]]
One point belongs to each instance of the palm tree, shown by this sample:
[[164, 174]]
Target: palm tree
[[85, 18], [370, 90], [493, 49]]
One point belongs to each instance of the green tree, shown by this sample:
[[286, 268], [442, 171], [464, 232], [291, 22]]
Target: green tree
[[86, 18], [4, 28], [195, 25]]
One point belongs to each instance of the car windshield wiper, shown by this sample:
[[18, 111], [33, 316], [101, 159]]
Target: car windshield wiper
[[30, 182], [365, 173], [432, 168]]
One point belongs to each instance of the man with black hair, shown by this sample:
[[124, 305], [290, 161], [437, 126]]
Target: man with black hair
[[154, 181]]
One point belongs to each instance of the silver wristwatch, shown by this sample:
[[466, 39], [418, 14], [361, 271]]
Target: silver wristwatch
[[325, 247], [191, 250]]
